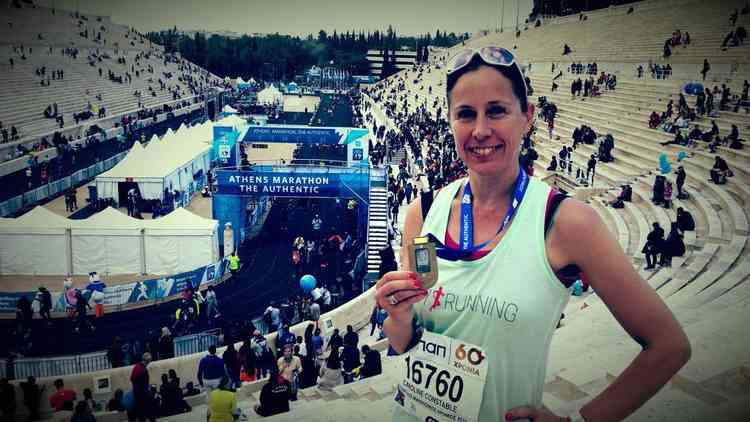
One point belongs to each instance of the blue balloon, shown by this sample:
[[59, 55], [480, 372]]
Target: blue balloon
[[307, 282]]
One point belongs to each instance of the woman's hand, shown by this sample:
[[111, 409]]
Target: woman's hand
[[396, 292], [534, 414]]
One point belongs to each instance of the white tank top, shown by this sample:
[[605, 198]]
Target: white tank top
[[508, 302]]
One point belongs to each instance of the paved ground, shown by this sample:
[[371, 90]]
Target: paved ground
[[296, 103]]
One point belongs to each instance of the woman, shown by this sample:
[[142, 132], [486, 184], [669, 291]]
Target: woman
[[289, 368], [330, 373], [222, 403], [552, 164], [309, 348], [274, 396], [88, 397], [668, 194], [115, 404], [82, 413], [232, 364], [317, 342], [720, 171], [673, 246], [173, 378], [488, 114], [309, 373], [247, 361], [166, 344]]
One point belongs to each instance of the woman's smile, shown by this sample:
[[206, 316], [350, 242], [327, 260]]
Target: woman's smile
[[484, 151]]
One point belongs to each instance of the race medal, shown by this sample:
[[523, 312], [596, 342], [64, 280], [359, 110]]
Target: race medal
[[443, 380]]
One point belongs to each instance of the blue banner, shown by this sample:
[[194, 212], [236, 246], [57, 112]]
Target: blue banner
[[121, 294], [224, 149], [287, 184], [294, 135]]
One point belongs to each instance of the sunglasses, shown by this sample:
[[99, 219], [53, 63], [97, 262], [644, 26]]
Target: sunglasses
[[492, 55]]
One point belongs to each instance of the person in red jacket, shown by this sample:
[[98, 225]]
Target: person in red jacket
[[63, 398], [142, 400]]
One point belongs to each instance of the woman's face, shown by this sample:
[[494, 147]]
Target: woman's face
[[487, 121]]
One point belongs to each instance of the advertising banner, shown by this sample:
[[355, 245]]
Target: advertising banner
[[224, 149], [287, 184], [294, 134], [122, 294]]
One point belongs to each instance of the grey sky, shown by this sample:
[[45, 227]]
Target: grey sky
[[301, 17]]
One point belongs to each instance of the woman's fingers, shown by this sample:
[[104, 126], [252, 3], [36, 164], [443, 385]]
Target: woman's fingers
[[395, 276], [397, 291], [410, 298]]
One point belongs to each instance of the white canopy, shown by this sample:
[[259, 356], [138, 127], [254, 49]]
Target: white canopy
[[270, 95], [44, 243], [233, 120], [108, 242], [167, 163], [176, 242], [229, 109], [34, 243], [40, 220]]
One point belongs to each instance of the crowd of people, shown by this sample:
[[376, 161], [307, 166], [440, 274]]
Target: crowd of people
[[678, 38], [591, 87], [189, 80], [295, 363]]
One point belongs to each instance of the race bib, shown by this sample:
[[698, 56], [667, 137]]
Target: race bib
[[443, 380]]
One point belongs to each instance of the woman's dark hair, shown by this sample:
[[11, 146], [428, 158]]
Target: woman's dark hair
[[82, 408], [516, 79], [273, 377]]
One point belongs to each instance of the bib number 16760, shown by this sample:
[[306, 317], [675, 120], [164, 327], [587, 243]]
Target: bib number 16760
[[423, 373]]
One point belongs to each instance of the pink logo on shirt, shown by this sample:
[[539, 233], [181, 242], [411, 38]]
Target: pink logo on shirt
[[437, 294]]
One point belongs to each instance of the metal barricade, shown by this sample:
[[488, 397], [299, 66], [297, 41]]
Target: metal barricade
[[195, 343], [76, 177], [56, 187], [260, 325], [11, 205], [59, 366]]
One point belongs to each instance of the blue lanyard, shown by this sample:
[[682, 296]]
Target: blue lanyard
[[466, 230]]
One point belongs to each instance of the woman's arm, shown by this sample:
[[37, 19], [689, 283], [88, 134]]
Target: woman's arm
[[580, 237], [398, 325]]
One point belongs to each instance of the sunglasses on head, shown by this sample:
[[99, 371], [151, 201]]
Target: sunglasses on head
[[492, 55]]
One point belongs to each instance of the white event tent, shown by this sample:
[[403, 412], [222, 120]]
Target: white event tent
[[270, 95], [166, 163], [178, 240], [34, 243], [41, 242], [108, 242]]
